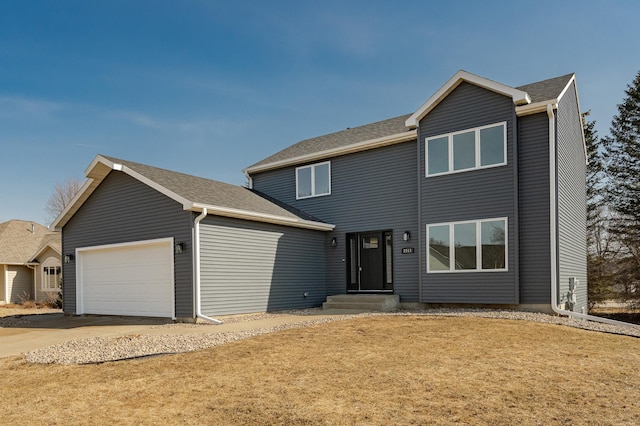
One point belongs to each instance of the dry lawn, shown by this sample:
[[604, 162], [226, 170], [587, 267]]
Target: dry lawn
[[380, 370]]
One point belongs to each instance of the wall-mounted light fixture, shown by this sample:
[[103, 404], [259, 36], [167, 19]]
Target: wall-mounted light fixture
[[334, 242], [406, 236], [178, 248], [68, 258]]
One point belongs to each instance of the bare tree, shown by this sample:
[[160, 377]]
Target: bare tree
[[63, 193]]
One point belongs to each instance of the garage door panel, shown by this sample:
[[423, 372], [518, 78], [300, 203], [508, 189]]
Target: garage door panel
[[130, 280]]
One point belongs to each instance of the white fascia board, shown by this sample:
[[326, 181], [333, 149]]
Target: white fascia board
[[519, 97], [263, 217], [536, 108], [572, 80], [99, 168], [43, 248], [334, 152], [83, 193]]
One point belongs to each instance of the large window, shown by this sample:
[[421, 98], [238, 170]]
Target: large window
[[51, 278], [466, 150], [479, 245], [313, 180]]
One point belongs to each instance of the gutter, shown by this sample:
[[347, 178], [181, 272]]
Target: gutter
[[553, 224], [196, 269]]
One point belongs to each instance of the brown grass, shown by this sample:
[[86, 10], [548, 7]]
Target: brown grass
[[10, 309], [380, 370], [625, 314]]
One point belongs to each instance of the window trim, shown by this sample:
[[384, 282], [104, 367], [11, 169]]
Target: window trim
[[478, 223], [45, 277], [478, 160], [313, 180]]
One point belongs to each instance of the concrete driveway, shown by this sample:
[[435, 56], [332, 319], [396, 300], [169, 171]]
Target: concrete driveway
[[25, 333]]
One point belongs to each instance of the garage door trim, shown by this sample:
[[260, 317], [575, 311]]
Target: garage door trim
[[169, 242]]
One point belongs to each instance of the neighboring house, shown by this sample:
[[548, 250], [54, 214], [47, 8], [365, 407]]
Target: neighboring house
[[476, 198], [30, 262]]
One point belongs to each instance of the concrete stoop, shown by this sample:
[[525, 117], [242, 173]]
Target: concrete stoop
[[363, 302]]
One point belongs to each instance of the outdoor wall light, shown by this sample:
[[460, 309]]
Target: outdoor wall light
[[334, 242], [406, 236], [178, 248], [68, 258]]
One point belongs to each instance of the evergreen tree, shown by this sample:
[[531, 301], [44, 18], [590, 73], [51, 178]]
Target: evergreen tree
[[622, 162], [599, 254]]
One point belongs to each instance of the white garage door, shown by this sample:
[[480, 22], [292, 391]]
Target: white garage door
[[130, 279]]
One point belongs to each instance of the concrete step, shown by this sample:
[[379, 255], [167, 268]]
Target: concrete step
[[363, 302]]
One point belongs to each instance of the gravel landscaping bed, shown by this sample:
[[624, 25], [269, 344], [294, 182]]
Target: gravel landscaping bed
[[99, 349]]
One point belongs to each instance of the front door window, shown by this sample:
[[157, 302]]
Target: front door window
[[370, 262]]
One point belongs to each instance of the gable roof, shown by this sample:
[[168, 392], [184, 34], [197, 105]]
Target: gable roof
[[22, 240], [194, 193], [528, 99], [519, 97], [549, 89]]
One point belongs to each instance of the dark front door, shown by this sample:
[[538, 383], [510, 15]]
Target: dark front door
[[370, 261]]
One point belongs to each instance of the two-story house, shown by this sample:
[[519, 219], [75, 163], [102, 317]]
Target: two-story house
[[476, 198]]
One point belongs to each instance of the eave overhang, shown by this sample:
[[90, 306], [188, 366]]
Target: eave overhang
[[334, 152], [100, 168], [519, 97]]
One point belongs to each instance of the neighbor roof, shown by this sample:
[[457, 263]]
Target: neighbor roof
[[194, 193], [402, 128], [19, 245]]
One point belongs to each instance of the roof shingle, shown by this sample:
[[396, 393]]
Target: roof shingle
[[18, 244], [213, 193], [538, 92]]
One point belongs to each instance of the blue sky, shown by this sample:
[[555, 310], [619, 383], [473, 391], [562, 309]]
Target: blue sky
[[210, 87]]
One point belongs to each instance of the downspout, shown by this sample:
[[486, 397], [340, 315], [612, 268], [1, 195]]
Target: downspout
[[419, 160], [196, 267], [553, 225], [35, 284]]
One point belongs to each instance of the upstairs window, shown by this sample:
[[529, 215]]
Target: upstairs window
[[470, 149], [313, 180]]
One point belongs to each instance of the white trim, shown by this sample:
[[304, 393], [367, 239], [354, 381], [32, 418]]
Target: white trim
[[197, 282], [536, 108], [553, 236], [6, 278], [552, 208], [478, 224], [80, 279], [44, 247], [477, 141], [50, 263], [313, 180], [83, 193], [263, 217], [334, 152], [519, 97], [100, 168], [571, 80], [584, 141]]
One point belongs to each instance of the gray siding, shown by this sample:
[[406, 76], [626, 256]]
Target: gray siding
[[471, 195], [370, 191], [571, 165], [123, 209], [257, 267], [535, 240]]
